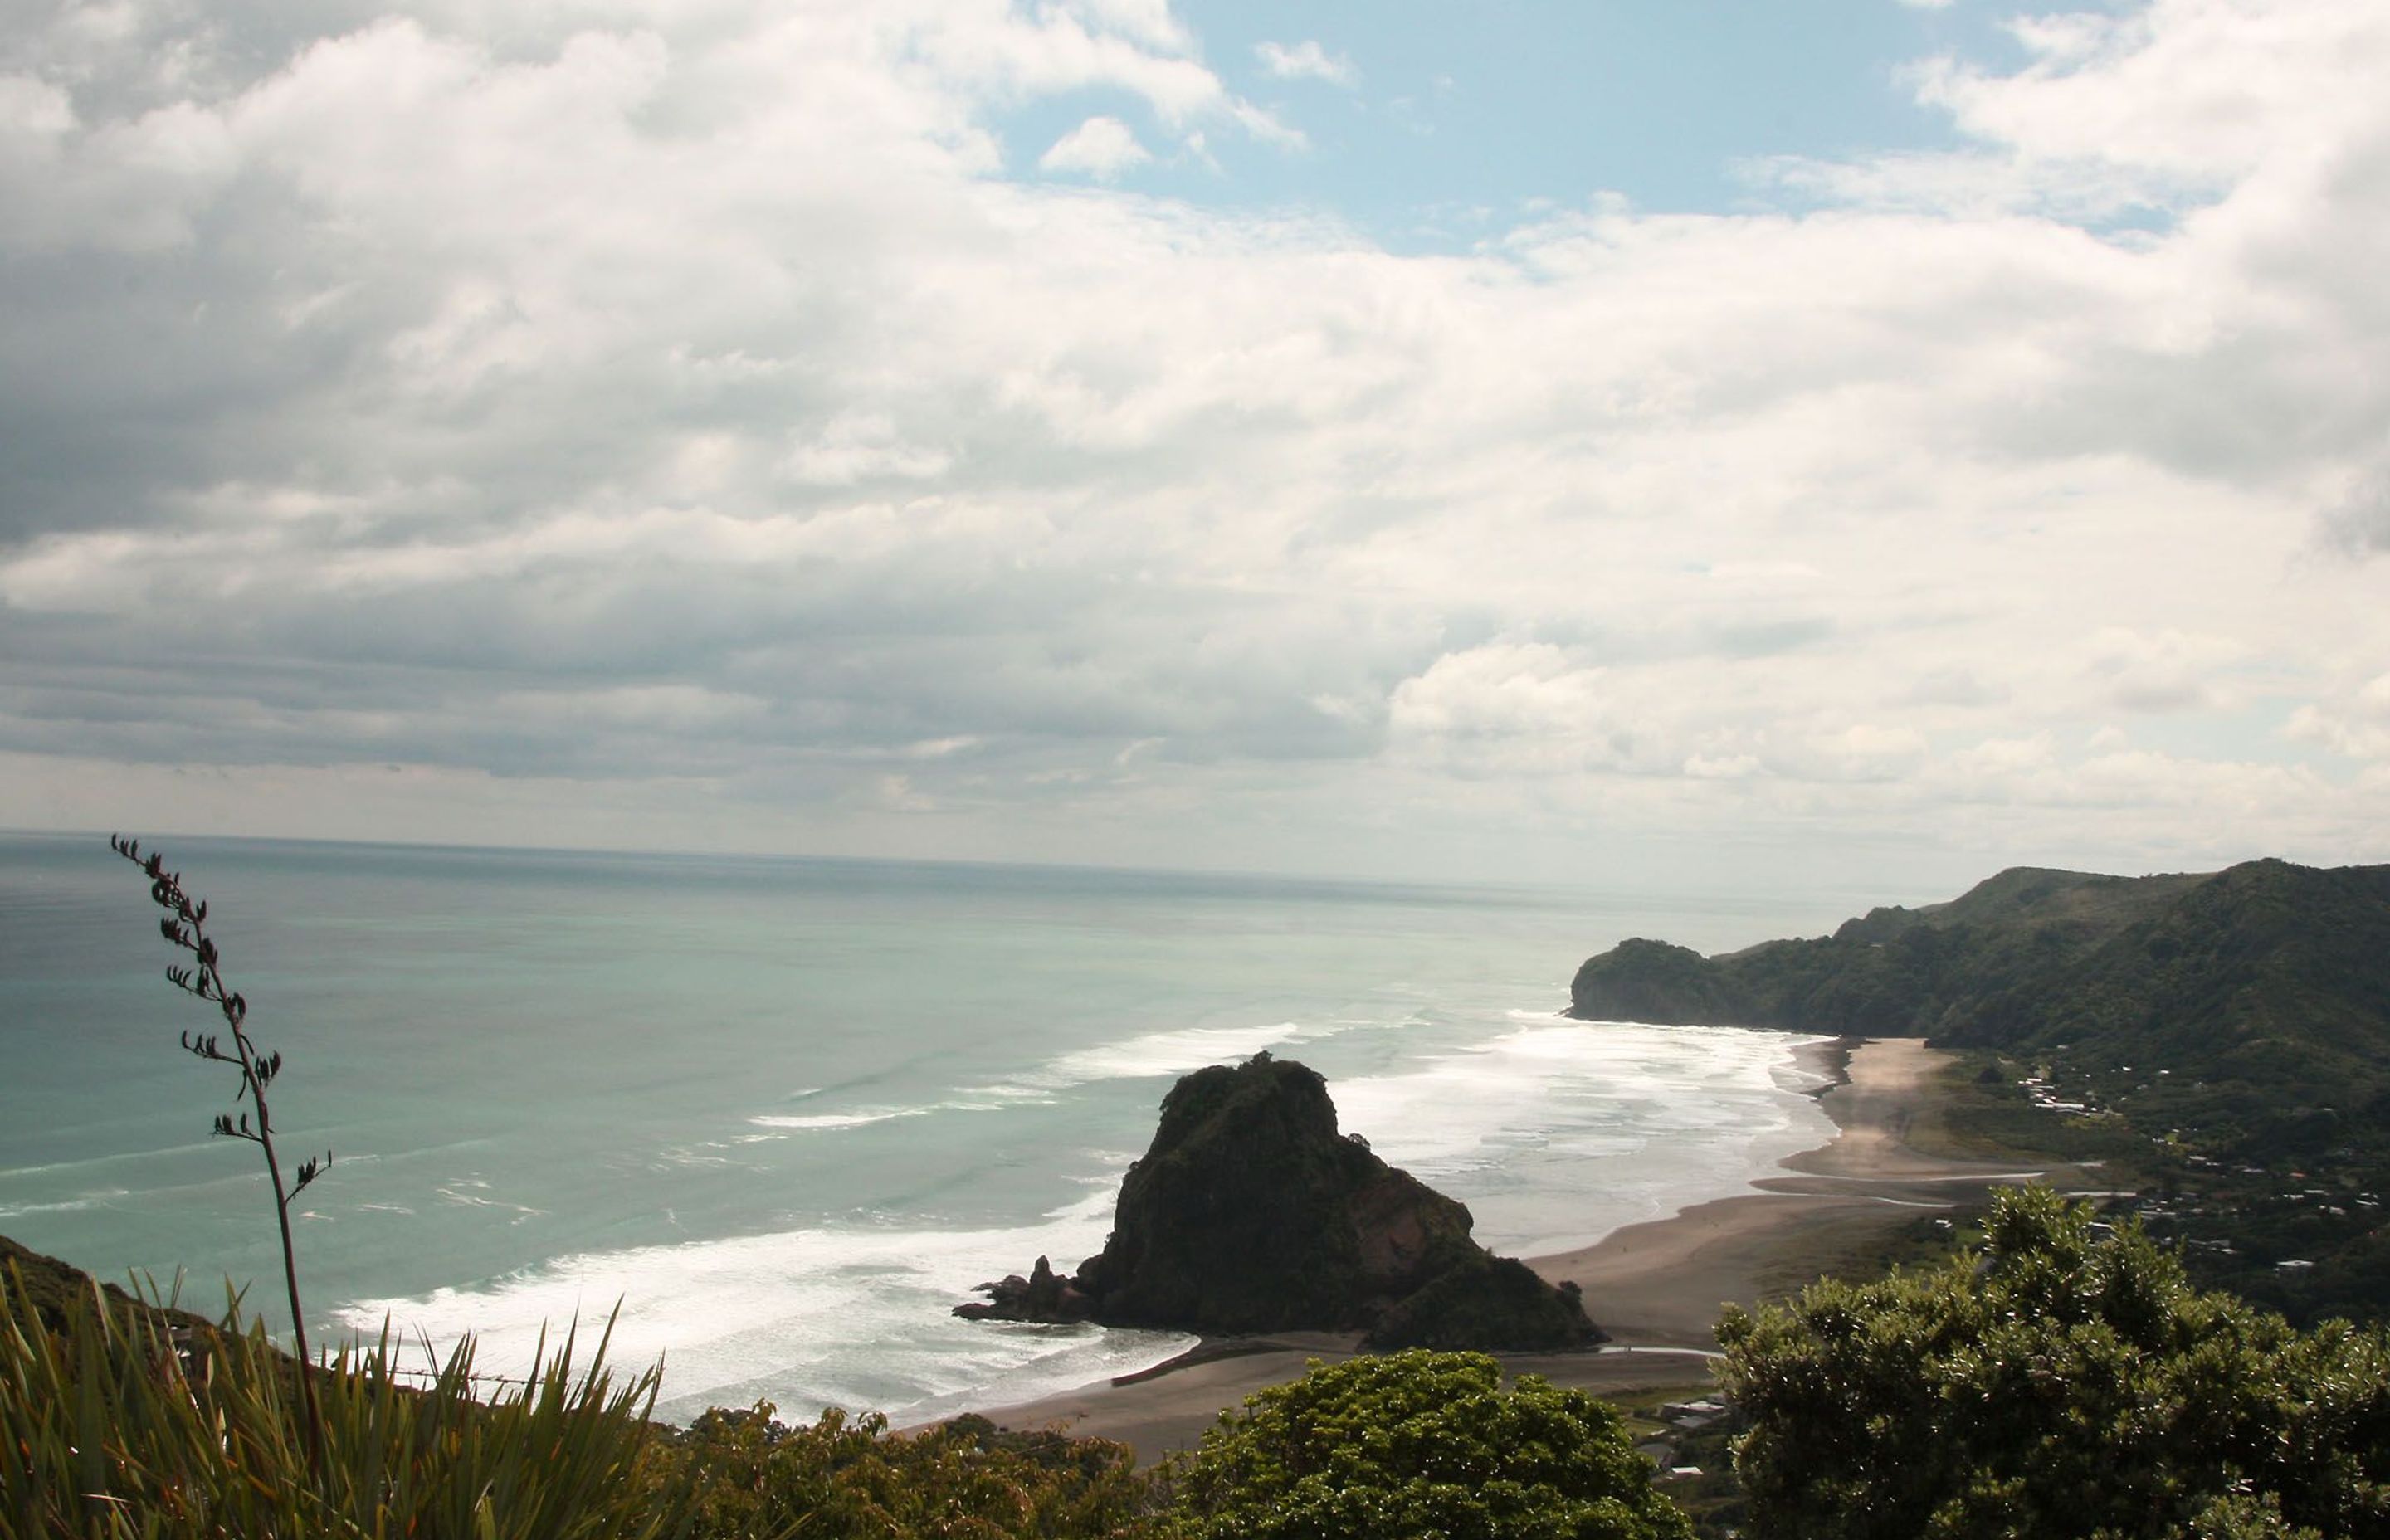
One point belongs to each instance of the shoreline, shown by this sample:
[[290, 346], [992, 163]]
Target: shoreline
[[1655, 1286]]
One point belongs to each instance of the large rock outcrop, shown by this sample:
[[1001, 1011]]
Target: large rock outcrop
[[1251, 1213]]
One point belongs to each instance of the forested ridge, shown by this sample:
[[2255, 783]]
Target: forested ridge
[[2231, 1030]]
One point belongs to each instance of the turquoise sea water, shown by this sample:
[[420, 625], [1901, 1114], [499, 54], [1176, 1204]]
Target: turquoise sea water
[[783, 1114]]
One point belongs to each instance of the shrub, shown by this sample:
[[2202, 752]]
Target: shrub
[[1421, 1444], [2054, 1383], [966, 1479]]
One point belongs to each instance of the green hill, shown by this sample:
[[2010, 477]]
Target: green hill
[[50, 1286], [2262, 991], [1894, 973], [2238, 1021]]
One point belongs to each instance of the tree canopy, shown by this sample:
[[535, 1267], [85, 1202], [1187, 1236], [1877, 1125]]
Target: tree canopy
[[1423, 1444], [2056, 1383]]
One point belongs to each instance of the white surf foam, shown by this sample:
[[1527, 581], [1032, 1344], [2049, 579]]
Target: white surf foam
[[842, 1120], [1554, 1132], [1152, 1055], [64, 1205], [1557, 1132], [850, 1314], [473, 1192]]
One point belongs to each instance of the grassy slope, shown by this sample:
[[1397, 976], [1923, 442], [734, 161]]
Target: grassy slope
[[48, 1284]]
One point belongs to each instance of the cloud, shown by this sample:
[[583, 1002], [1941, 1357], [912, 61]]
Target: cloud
[[2167, 671], [682, 419], [1306, 60], [2359, 524], [1101, 148], [2353, 722], [1513, 709], [853, 447]]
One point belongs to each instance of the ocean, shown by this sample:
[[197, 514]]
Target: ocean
[[775, 1116]]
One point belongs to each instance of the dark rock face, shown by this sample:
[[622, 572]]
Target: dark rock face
[[1250, 1212], [1484, 1300], [1044, 1295], [1660, 982]]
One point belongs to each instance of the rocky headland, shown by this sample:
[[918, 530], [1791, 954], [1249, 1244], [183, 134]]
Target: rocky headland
[[2263, 990], [2222, 1039], [1252, 1213]]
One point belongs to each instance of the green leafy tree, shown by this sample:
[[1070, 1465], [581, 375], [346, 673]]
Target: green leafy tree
[[2054, 1383], [1421, 1444]]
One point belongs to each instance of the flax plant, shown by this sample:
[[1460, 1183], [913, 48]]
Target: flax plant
[[112, 1430], [186, 926]]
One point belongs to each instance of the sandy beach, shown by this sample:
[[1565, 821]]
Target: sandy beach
[[1656, 1288]]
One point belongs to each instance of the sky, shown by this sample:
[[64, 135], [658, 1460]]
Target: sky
[[1698, 445]]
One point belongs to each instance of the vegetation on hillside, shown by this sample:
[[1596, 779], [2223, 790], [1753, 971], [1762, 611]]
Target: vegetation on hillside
[[1421, 1444], [119, 1421], [2230, 1032], [113, 1423], [2051, 1381], [846, 1477], [2056, 1383]]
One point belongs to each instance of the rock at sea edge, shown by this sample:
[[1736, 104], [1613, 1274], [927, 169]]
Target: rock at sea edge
[[1251, 1213]]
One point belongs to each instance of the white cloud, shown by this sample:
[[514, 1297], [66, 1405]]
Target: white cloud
[[2359, 522], [2202, 89], [1721, 766], [1148, 22], [678, 411], [854, 447], [2169, 671], [2353, 722], [1306, 60], [1101, 148], [1867, 750]]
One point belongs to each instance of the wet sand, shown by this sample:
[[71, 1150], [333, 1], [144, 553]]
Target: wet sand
[[1656, 1288]]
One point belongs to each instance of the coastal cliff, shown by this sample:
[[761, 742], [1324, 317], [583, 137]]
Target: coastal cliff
[[2265, 969], [2224, 1036], [1251, 1213], [1894, 973]]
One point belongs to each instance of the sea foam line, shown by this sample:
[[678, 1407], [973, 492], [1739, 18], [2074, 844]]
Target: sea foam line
[[832, 1314], [1175, 1052], [1557, 1132], [842, 1120]]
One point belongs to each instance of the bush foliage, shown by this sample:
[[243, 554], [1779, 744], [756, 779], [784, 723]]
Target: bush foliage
[[2054, 1383], [1421, 1444], [849, 1478]]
